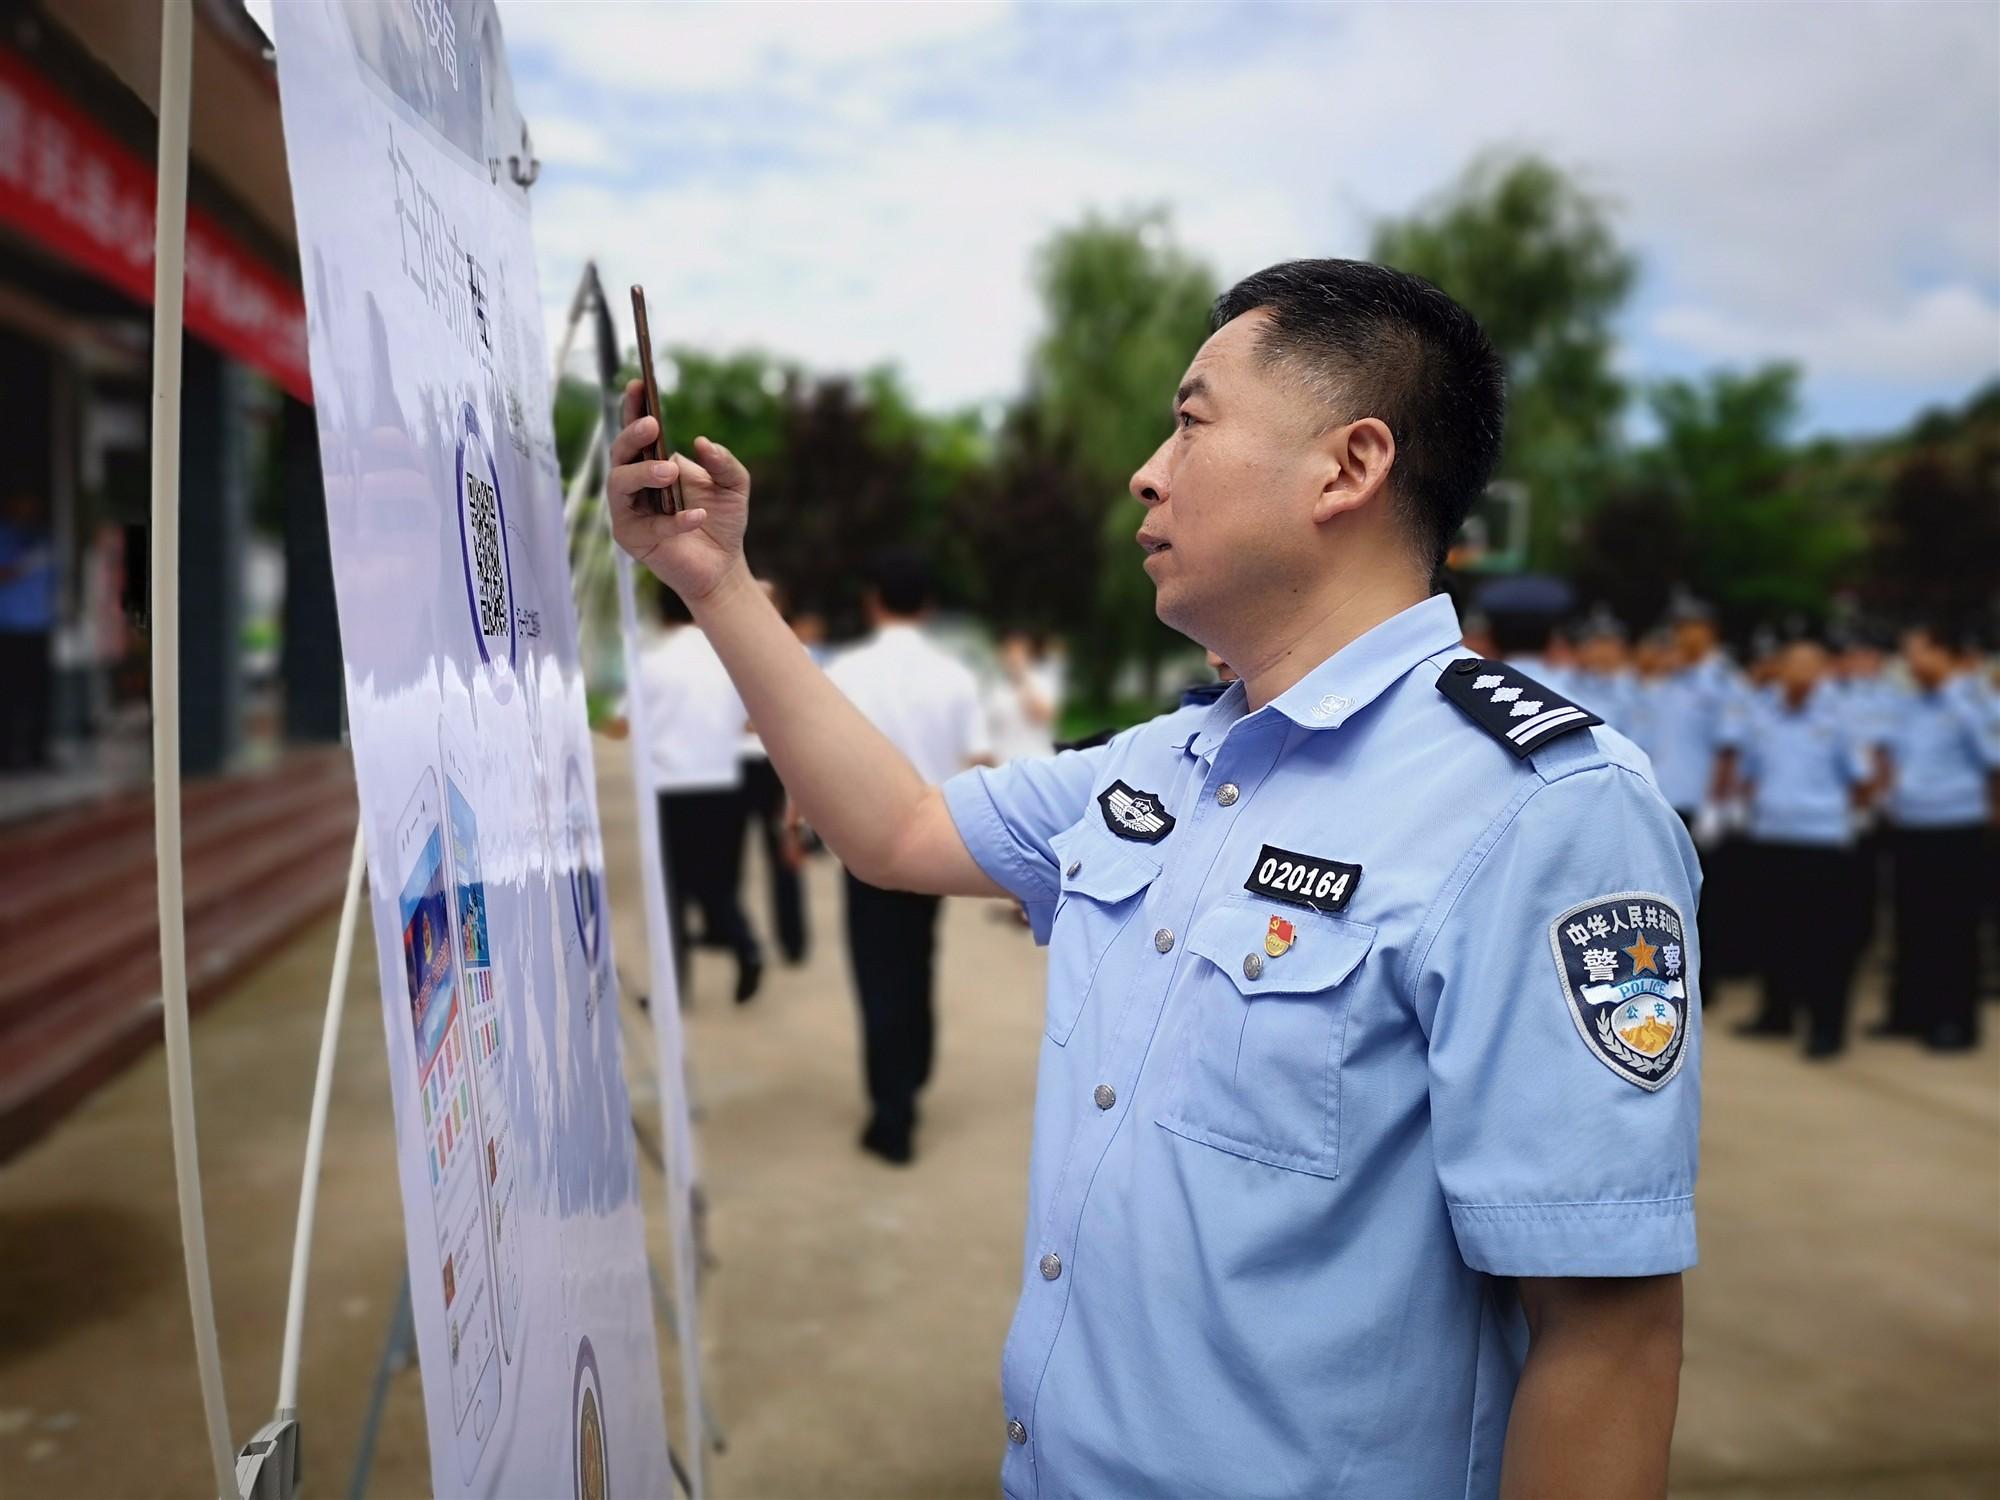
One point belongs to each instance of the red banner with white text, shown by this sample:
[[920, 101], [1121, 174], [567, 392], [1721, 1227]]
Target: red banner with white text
[[69, 184]]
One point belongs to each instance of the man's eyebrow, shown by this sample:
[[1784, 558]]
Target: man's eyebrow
[[1194, 385]]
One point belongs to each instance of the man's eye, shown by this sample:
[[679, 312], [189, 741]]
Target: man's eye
[[1186, 420]]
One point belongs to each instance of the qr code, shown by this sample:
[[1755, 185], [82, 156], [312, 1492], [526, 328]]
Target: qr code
[[483, 512]]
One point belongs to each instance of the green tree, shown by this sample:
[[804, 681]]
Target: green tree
[[1535, 258], [1124, 310], [1766, 534]]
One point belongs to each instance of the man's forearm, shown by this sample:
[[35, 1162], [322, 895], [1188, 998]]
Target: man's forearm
[[855, 787], [1593, 1415]]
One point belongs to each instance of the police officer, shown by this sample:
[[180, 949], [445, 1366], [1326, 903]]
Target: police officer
[[1692, 723], [1805, 770], [1364, 1140], [1943, 749]]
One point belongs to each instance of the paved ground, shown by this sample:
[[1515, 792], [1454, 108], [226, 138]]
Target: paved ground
[[1844, 1327]]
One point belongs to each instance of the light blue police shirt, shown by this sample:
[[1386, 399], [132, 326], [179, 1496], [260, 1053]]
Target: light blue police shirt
[[1942, 746], [1803, 764], [1285, 1157], [1695, 714], [1612, 696]]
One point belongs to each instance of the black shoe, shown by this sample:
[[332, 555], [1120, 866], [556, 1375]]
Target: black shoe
[[889, 1143], [1951, 1039], [795, 956], [1763, 1026], [1820, 1048], [749, 978]]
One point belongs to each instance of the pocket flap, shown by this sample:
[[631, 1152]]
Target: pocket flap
[[1320, 950], [1093, 862]]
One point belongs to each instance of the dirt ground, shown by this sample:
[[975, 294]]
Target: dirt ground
[[1843, 1332]]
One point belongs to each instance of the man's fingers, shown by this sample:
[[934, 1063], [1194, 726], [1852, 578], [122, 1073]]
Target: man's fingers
[[721, 464], [633, 404], [632, 440], [627, 480]]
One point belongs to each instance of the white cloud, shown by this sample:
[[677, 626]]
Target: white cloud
[[1949, 333], [853, 184]]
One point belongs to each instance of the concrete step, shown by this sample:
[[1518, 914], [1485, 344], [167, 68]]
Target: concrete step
[[51, 1059], [40, 874], [109, 922]]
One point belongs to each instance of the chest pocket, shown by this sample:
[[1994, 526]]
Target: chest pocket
[[1258, 1073], [1104, 880]]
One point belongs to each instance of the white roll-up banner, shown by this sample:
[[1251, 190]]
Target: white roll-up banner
[[472, 751]]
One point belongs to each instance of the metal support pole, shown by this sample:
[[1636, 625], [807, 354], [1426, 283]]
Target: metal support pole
[[169, 262]]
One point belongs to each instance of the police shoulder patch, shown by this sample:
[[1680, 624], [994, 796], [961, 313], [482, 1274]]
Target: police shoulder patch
[[1515, 709], [1623, 963], [1133, 814]]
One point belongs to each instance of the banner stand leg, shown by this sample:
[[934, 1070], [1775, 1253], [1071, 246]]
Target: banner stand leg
[[676, 1132], [399, 1347]]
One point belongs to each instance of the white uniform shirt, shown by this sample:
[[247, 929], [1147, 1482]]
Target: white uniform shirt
[[694, 719], [922, 698], [1016, 735]]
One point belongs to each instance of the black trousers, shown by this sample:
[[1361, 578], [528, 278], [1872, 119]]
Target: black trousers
[[701, 845], [1807, 896], [764, 802], [25, 683], [892, 943], [1937, 873]]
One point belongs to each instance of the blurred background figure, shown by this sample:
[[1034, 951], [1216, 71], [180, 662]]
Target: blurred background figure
[[1025, 703], [1943, 751], [927, 704], [1521, 614], [1603, 676], [695, 734], [1804, 770], [1691, 726], [765, 807], [27, 617]]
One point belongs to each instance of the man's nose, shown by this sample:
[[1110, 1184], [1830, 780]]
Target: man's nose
[[1148, 483]]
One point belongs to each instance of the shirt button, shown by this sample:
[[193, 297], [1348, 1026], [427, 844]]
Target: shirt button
[[1227, 793], [1051, 1266], [1017, 1434], [1070, 873], [1163, 940], [1253, 965], [1105, 1095]]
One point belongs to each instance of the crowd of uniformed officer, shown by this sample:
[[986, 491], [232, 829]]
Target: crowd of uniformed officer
[[1841, 788]]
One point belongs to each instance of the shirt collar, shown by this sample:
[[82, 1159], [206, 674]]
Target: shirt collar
[[1350, 679]]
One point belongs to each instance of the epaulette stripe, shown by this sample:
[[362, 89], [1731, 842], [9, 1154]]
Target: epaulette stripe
[[1515, 709]]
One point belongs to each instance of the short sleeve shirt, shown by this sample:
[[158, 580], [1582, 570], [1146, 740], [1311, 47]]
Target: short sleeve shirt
[[1803, 764], [1943, 746], [924, 700], [1351, 1012]]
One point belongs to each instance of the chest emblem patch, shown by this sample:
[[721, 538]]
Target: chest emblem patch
[[1135, 815], [1623, 962]]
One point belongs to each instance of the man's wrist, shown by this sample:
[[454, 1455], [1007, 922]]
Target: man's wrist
[[735, 583]]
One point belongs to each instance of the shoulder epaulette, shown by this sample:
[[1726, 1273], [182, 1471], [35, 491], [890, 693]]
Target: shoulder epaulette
[[1512, 707]]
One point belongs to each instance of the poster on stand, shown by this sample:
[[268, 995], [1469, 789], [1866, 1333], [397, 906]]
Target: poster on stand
[[515, 1149]]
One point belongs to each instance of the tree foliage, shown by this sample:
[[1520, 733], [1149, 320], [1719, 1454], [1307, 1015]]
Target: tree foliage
[[1536, 259]]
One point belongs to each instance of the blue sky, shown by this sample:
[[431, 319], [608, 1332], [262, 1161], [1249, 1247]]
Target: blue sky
[[849, 185]]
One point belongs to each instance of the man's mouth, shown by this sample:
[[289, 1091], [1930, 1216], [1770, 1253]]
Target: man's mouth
[[1151, 544]]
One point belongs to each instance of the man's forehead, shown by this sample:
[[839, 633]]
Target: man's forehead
[[1224, 353]]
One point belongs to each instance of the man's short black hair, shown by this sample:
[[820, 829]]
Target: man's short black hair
[[1377, 342], [901, 579]]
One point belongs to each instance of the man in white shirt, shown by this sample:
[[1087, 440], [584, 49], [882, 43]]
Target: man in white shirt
[[927, 705], [695, 725]]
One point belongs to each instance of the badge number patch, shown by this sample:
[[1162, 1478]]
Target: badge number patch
[[1303, 879], [1133, 814], [1623, 961]]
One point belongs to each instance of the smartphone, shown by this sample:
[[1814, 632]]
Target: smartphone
[[444, 1085], [667, 501], [486, 1031]]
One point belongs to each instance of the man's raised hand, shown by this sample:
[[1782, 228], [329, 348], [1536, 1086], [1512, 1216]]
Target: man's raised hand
[[693, 552]]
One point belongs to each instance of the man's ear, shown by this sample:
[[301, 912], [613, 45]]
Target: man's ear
[[1359, 456]]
